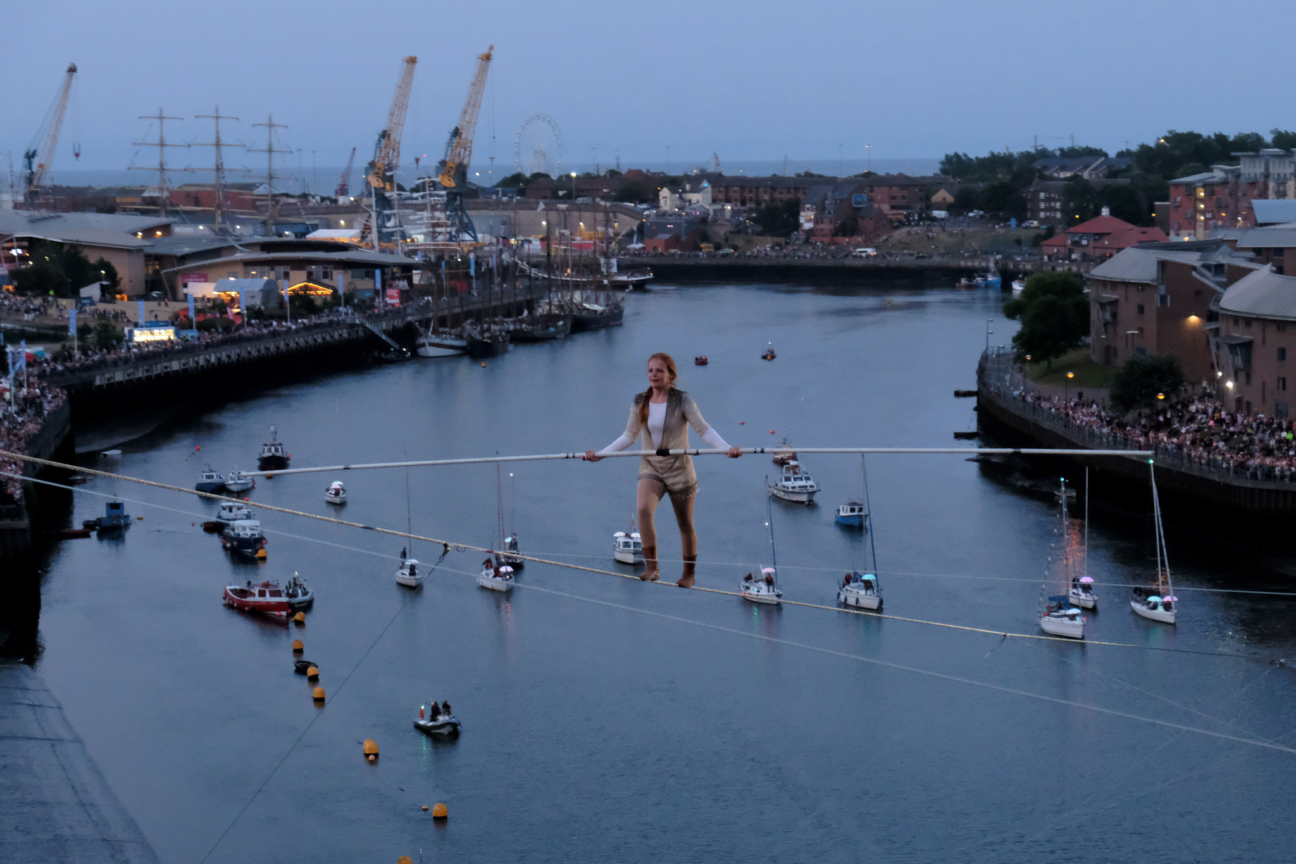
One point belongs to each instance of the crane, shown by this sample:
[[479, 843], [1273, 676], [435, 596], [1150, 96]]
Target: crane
[[453, 169], [36, 162], [344, 185], [380, 173]]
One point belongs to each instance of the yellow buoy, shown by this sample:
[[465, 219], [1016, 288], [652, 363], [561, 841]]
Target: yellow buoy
[[261, 555], [300, 617], [140, 518], [483, 364], [440, 812], [405, 859], [269, 476], [319, 694], [370, 747], [425, 807], [298, 647], [312, 673]]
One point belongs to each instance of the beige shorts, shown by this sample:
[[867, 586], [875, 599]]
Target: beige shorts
[[673, 472]]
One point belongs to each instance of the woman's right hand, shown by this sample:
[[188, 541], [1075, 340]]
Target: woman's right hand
[[591, 456]]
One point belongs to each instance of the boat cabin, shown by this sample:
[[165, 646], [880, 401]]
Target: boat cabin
[[115, 515], [851, 508], [249, 528], [794, 477], [627, 542], [232, 512]]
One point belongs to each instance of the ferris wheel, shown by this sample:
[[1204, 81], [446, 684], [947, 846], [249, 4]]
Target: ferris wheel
[[537, 146]]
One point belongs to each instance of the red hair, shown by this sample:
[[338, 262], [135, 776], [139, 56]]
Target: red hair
[[669, 363]]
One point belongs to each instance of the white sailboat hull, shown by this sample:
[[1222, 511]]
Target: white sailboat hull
[[1084, 601], [765, 596], [628, 556], [488, 580], [1072, 628], [335, 499], [859, 599], [403, 577], [1152, 614], [440, 347], [799, 496]]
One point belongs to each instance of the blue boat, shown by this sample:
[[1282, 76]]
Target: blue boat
[[851, 514], [992, 280], [115, 518], [210, 481]]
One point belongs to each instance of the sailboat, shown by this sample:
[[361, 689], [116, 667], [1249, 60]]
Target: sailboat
[[1082, 593], [862, 590], [764, 589], [409, 574], [1157, 602], [1058, 617], [510, 555]]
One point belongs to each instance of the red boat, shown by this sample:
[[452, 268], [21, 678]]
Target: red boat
[[267, 598]]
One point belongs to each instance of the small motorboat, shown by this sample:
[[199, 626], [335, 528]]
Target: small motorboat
[[1061, 619], [267, 598], [627, 548], [1018, 286], [495, 578], [110, 454], [210, 481], [436, 722], [762, 590], [793, 485], [243, 535], [784, 454], [965, 284], [336, 493], [769, 353], [700, 360], [1081, 593], [229, 511], [273, 455], [862, 591], [115, 519], [409, 574], [237, 481], [299, 596], [851, 514]]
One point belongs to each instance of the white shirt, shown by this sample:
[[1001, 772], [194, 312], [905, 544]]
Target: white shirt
[[656, 422]]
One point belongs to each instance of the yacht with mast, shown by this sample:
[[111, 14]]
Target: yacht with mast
[[1082, 593], [1157, 602], [764, 589], [1057, 616], [862, 590]]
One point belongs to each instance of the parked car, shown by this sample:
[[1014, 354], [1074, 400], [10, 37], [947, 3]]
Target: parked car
[[865, 252]]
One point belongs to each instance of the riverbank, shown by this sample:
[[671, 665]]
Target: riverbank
[[808, 269], [57, 805]]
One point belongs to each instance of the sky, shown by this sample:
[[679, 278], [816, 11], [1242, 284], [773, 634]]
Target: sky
[[646, 82]]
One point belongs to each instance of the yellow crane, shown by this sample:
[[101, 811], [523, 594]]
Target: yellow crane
[[380, 173], [453, 169], [36, 162]]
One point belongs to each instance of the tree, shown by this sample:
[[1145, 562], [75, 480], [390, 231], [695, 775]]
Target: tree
[[780, 219], [1002, 199], [515, 179], [42, 279], [1282, 139], [1144, 378], [1054, 315], [633, 192], [107, 274], [105, 335], [967, 198]]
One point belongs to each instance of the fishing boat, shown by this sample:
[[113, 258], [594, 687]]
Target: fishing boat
[[769, 354], [851, 514], [114, 520], [992, 279], [299, 596], [237, 481], [273, 455], [863, 590], [336, 493], [495, 577], [485, 342], [1157, 602], [210, 481], [793, 485], [1057, 616], [244, 536], [232, 511], [267, 598], [784, 454], [436, 723], [627, 548], [764, 588]]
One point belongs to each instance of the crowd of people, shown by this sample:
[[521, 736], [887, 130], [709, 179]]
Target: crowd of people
[[1199, 429], [20, 422]]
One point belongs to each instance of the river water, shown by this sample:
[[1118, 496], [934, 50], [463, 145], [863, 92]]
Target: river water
[[612, 720]]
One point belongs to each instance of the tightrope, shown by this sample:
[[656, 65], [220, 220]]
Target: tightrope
[[583, 568]]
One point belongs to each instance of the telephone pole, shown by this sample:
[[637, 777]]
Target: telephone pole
[[161, 144], [269, 150]]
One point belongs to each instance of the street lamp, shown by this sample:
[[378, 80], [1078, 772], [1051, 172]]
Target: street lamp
[[1066, 387]]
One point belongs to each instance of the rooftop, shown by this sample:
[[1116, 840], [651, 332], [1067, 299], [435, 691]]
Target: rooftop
[[1263, 293], [91, 229]]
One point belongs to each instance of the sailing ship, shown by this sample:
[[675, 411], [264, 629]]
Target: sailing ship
[[511, 554], [495, 577], [1057, 616], [764, 589], [862, 590], [440, 345], [485, 341], [409, 574], [1157, 602]]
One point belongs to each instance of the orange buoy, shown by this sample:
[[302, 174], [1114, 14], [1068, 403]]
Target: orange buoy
[[405, 859], [312, 673], [319, 694], [300, 618], [440, 812], [370, 747], [298, 647]]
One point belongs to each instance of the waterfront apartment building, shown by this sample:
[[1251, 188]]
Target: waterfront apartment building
[[1254, 347], [1100, 237], [1158, 300], [1223, 196]]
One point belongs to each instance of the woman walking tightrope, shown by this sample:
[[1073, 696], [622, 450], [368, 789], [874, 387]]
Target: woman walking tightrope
[[662, 415]]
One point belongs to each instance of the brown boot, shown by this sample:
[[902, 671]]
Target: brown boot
[[690, 565], [651, 573]]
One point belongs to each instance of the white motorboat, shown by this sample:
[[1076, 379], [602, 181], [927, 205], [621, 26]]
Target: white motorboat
[[336, 493], [794, 484], [1018, 286], [237, 481], [243, 535], [1063, 620], [496, 578], [627, 548], [440, 345], [1057, 616], [1157, 603], [232, 511], [436, 723], [210, 481], [861, 590], [1082, 594], [410, 574], [762, 590]]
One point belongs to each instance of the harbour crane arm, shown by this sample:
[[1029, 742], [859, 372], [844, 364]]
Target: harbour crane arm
[[37, 162], [344, 185], [382, 170], [458, 154]]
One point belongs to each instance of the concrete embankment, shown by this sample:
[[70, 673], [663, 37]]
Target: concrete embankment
[[56, 803], [870, 272]]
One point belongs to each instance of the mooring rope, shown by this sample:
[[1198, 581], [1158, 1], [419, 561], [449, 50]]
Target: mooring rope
[[599, 571]]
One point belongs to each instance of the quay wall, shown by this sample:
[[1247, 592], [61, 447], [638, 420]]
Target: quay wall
[[53, 441], [825, 271]]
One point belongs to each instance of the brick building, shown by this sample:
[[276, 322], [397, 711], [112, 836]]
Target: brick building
[[1223, 196], [1158, 300], [1046, 200], [1256, 334], [1100, 237]]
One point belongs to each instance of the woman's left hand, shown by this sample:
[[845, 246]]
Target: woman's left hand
[[735, 452]]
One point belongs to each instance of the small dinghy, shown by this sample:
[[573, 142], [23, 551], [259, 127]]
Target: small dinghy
[[210, 481], [495, 577], [301, 667], [237, 481], [336, 493], [627, 548], [1081, 593], [409, 573], [267, 598], [299, 596], [860, 590], [436, 720], [244, 536], [1157, 603], [793, 485]]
